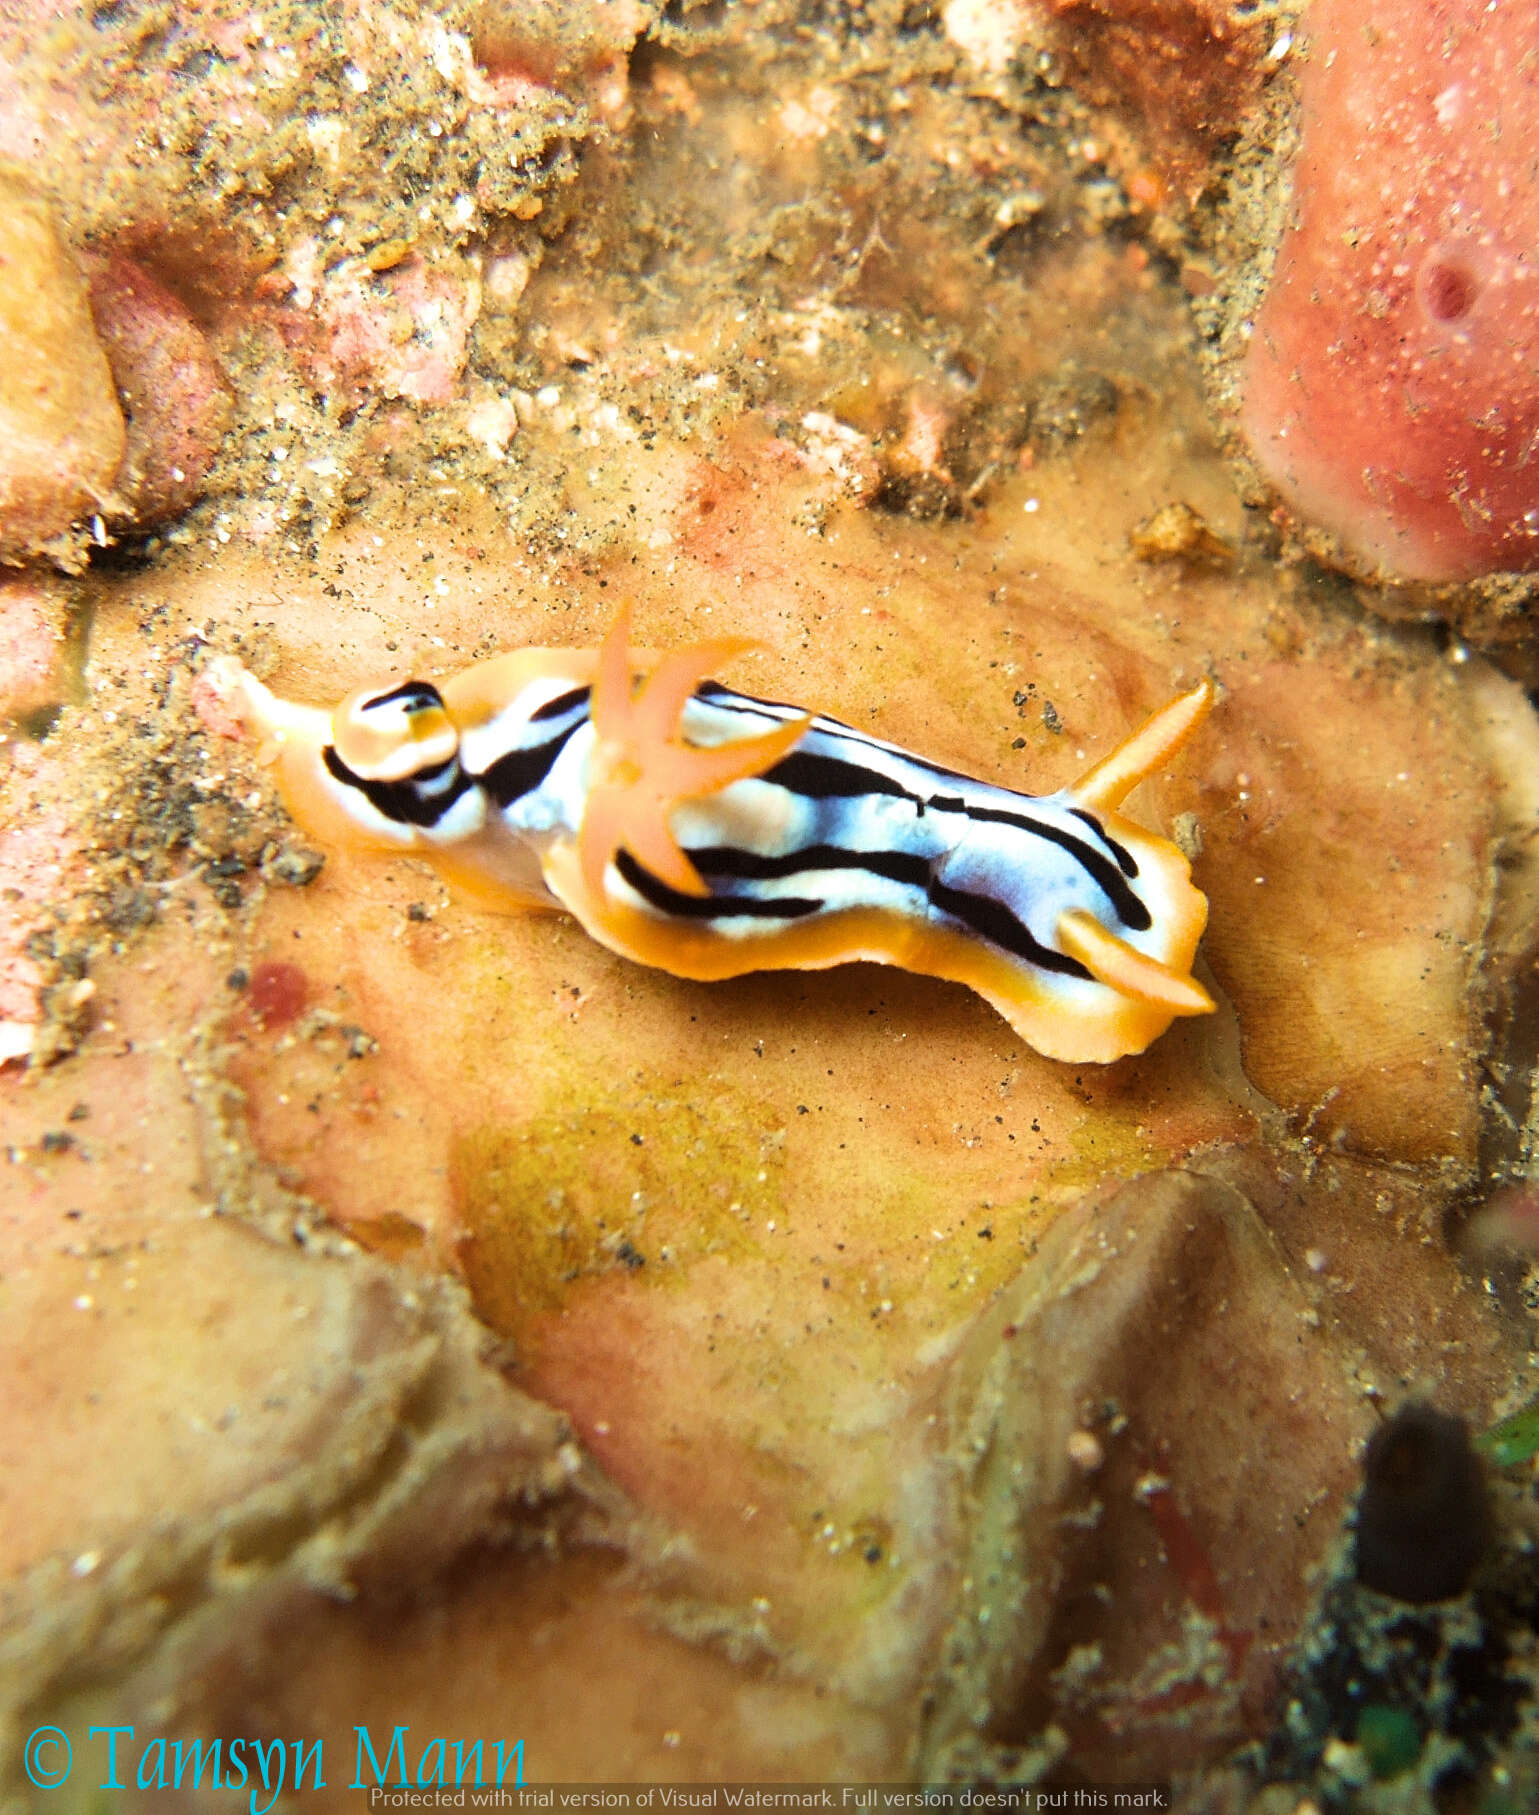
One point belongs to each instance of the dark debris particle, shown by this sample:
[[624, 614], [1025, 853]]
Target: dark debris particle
[[79, 1112], [1071, 402], [238, 978], [926, 496], [630, 1256], [919, 16], [128, 908], [57, 1140], [69, 1013], [359, 1042], [1423, 1519], [297, 865], [224, 889], [45, 947], [418, 910]]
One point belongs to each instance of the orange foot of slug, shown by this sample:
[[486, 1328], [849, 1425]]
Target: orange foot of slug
[[641, 768]]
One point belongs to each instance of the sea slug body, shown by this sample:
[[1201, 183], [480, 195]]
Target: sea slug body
[[709, 833]]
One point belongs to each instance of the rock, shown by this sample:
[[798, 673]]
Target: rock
[[39, 846], [1176, 532], [1143, 1601], [170, 385], [1180, 71], [61, 432], [578, 46], [271, 1505], [400, 332], [33, 628]]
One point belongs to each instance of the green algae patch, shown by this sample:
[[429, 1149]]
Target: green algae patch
[[1110, 1142], [639, 1180], [1513, 1440], [1390, 1739]]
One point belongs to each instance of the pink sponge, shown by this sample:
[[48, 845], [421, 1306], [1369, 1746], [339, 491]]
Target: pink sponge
[[1391, 390]]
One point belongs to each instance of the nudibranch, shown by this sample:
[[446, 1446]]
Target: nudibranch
[[709, 833]]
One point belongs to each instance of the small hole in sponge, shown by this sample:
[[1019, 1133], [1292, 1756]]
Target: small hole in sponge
[[1448, 289]]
